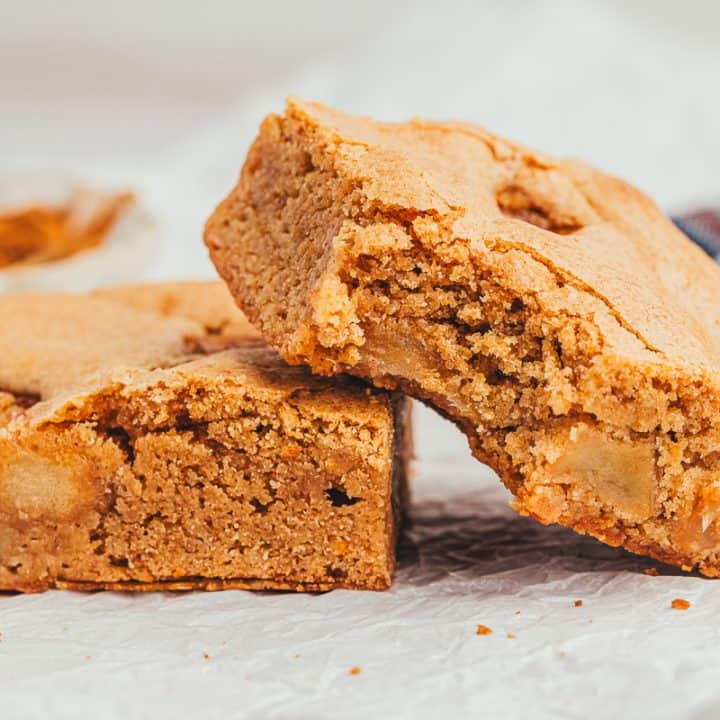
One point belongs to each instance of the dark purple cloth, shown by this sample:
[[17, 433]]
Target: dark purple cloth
[[702, 227]]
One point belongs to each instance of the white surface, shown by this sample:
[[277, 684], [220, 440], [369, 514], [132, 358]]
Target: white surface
[[468, 559], [167, 99]]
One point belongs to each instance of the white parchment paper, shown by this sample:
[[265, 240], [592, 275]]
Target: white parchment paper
[[467, 560]]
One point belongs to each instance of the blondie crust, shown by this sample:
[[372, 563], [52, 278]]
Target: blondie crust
[[149, 440], [550, 310]]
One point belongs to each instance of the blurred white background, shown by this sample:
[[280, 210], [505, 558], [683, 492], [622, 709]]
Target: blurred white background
[[166, 95]]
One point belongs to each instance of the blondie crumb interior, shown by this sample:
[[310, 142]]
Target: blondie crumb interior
[[550, 310], [150, 440]]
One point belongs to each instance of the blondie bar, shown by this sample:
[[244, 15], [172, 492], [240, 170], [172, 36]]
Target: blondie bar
[[550, 310], [149, 440]]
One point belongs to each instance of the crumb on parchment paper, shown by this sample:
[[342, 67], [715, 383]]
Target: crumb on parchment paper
[[680, 604], [483, 630], [578, 603], [511, 636], [206, 656], [651, 571], [354, 670]]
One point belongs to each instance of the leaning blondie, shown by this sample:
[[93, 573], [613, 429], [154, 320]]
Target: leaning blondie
[[149, 440], [550, 310]]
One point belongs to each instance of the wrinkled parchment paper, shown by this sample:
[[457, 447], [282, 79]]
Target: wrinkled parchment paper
[[467, 560]]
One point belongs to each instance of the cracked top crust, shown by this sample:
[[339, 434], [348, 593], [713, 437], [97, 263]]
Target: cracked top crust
[[60, 351], [592, 231]]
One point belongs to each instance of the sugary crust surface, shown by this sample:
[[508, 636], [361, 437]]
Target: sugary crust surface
[[552, 311], [207, 303], [150, 440], [58, 346], [614, 242]]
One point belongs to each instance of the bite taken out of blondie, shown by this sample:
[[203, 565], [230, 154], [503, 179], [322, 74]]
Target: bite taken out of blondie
[[149, 440], [550, 310]]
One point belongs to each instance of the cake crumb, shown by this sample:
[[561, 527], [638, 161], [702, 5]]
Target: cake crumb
[[651, 571], [354, 671], [517, 612], [578, 603], [511, 636], [679, 604], [206, 656], [483, 630]]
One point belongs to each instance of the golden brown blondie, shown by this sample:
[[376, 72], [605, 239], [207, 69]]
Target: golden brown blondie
[[550, 310], [149, 440]]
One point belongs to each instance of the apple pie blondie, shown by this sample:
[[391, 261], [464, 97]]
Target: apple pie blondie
[[550, 310], [150, 440]]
